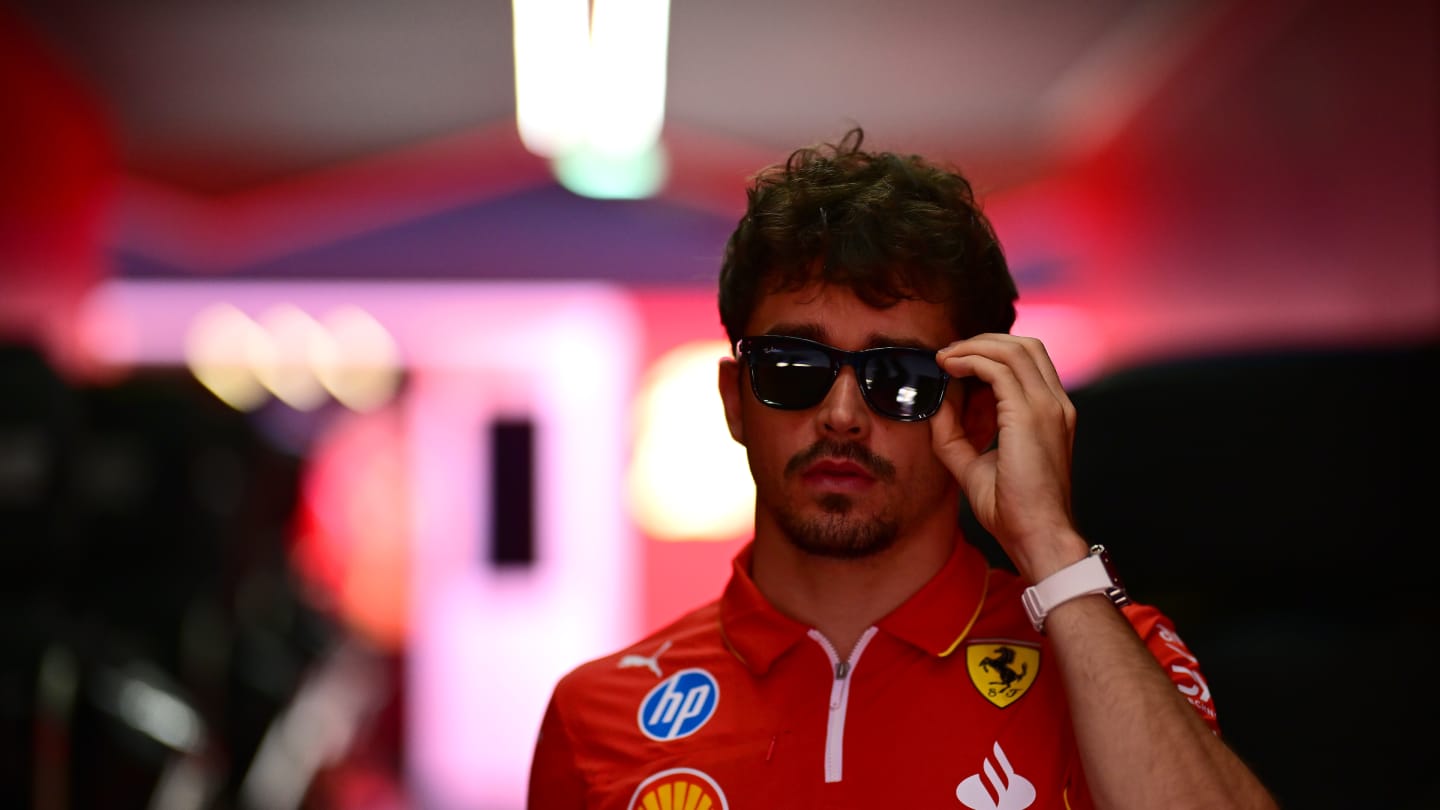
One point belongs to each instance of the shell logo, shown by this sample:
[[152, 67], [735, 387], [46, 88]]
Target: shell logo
[[679, 789]]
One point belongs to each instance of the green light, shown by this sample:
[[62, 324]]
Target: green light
[[589, 172]]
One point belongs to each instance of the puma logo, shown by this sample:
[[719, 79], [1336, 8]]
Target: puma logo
[[651, 662], [1014, 793]]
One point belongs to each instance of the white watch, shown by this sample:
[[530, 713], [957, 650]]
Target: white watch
[[1094, 574]]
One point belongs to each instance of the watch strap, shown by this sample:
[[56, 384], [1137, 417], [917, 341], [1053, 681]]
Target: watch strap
[[1092, 575]]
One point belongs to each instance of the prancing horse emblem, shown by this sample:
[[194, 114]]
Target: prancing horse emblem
[[1004, 657], [1002, 670]]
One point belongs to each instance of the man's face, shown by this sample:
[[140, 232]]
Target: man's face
[[838, 479]]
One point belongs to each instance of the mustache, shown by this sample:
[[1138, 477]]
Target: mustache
[[877, 466]]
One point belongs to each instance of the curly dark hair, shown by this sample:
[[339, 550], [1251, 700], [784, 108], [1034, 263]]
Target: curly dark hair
[[889, 227]]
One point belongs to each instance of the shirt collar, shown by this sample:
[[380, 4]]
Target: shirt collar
[[935, 619], [753, 629], [942, 612]]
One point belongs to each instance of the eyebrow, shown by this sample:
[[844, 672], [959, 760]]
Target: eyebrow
[[813, 332]]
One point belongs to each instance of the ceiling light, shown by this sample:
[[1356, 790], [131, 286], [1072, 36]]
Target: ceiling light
[[590, 94]]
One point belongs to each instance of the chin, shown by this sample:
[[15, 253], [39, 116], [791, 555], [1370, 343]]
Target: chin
[[837, 534]]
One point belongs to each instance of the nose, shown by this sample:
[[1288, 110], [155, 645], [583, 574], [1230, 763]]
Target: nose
[[843, 412]]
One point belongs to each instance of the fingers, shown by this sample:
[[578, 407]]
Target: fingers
[[1018, 368], [1041, 357], [1019, 488], [1025, 357]]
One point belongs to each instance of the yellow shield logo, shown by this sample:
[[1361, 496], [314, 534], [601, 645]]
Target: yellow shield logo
[[1002, 670]]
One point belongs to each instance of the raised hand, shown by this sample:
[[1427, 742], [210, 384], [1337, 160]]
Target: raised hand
[[1018, 486]]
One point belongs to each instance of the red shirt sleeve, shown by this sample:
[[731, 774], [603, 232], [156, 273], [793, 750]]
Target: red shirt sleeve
[[555, 780], [1159, 635]]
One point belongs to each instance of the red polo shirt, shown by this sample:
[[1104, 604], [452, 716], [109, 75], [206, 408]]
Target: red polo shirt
[[950, 701]]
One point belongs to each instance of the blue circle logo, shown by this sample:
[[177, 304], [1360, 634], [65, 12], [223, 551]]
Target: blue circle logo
[[679, 705]]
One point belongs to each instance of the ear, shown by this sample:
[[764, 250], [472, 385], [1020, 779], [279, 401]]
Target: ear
[[978, 415], [730, 393]]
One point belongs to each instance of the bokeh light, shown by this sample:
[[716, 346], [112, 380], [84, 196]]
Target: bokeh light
[[688, 479]]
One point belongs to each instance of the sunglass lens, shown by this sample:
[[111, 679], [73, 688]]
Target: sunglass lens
[[904, 384], [790, 376]]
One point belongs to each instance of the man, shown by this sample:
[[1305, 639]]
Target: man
[[863, 654]]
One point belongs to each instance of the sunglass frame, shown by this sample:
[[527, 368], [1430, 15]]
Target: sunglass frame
[[838, 359]]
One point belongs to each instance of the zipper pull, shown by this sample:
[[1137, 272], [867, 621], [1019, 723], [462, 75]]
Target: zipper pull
[[841, 670]]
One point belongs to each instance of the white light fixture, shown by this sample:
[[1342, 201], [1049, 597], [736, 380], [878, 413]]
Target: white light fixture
[[552, 44], [627, 75], [590, 91]]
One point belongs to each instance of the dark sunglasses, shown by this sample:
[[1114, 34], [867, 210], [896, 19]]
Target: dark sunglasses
[[793, 374]]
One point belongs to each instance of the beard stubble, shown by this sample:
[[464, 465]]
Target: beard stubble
[[837, 533]]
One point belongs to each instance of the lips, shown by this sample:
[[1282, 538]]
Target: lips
[[836, 474]]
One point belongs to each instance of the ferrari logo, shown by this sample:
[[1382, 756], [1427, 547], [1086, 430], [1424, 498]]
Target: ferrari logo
[[1002, 670]]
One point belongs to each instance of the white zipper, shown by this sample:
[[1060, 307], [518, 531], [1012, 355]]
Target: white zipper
[[839, 698]]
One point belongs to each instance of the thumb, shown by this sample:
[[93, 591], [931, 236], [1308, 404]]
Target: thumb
[[948, 440]]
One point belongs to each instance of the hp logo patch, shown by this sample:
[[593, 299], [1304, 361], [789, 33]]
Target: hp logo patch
[[679, 705]]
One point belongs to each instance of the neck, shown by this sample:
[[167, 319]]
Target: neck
[[842, 598]]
